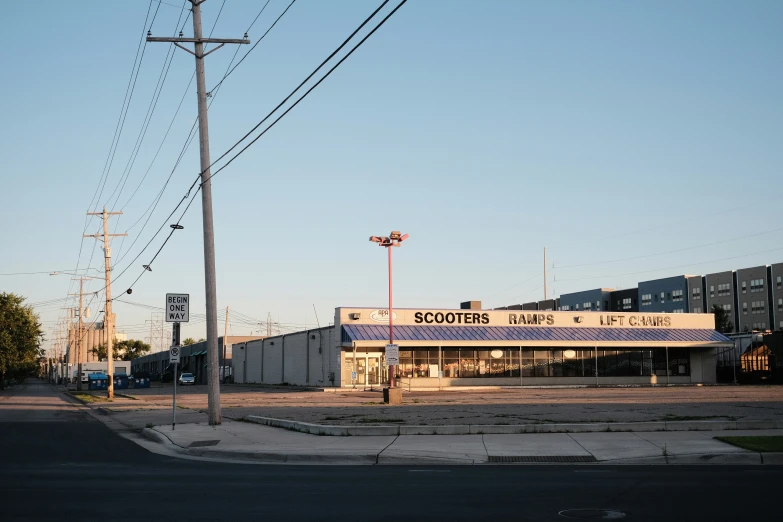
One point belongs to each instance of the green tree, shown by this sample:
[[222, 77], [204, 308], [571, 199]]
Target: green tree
[[20, 338], [122, 350], [132, 349], [723, 322], [188, 341]]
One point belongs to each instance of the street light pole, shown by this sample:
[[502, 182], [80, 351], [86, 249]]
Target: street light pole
[[392, 240]]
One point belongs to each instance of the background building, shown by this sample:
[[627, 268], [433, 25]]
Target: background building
[[666, 295], [596, 300], [754, 299], [624, 300]]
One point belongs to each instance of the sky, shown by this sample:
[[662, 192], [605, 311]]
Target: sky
[[638, 140]]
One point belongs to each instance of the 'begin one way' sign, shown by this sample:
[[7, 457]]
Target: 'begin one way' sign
[[177, 308]]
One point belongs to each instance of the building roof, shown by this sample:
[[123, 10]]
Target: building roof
[[532, 334]]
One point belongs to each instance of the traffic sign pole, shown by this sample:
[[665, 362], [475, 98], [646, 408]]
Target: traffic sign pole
[[174, 358]]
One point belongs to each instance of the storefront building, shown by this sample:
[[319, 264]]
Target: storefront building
[[440, 349]]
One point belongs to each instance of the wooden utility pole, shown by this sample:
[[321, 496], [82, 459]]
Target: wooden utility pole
[[213, 381], [107, 320]]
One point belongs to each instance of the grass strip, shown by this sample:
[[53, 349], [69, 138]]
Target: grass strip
[[88, 398], [763, 444]]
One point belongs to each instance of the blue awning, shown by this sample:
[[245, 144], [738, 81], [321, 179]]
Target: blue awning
[[527, 334]]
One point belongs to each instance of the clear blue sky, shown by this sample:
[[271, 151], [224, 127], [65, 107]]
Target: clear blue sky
[[486, 130]]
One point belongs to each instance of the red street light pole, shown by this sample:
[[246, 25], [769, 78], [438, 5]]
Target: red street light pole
[[393, 240]]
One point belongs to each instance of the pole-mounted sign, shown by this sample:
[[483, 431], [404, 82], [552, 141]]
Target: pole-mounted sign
[[177, 308]]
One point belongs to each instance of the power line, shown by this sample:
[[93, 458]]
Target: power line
[[669, 251], [176, 225], [671, 267], [191, 135]]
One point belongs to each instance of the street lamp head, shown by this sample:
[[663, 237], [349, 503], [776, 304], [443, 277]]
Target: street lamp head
[[375, 239], [404, 237], [395, 234]]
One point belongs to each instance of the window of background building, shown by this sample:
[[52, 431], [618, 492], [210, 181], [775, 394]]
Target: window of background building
[[598, 305], [565, 308], [696, 293], [743, 287], [724, 289], [697, 310], [678, 311], [587, 306], [662, 296], [727, 307], [744, 308], [780, 305], [627, 303], [646, 299], [677, 295], [757, 285], [779, 281], [712, 291]]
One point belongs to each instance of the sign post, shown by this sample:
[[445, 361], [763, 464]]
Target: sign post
[[174, 358], [177, 311], [393, 355]]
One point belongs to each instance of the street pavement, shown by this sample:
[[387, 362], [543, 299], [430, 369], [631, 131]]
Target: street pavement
[[68, 465]]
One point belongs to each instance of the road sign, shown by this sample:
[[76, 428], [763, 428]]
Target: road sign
[[177, 308], [353, 376], [174, 354], [392, 354]]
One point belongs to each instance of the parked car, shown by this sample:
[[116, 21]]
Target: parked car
[[187, 378]]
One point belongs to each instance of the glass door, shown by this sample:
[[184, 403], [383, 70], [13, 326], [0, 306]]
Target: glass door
[[373, 370], [361, 370]]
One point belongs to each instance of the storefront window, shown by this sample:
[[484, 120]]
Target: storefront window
[[537, 362], [451, 363], [528, 362]]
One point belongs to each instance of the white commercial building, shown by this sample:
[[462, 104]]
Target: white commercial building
[[473, 347]]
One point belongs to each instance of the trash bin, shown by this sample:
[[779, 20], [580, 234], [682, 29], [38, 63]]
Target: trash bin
[[97, 381], [141, 380], [121, 381]]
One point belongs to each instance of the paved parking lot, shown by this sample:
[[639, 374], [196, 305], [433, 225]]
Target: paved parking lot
[[512, 406]]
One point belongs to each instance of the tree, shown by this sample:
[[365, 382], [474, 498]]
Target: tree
[[132, 349], [188, 341], [122, 350], [20, 337], [723, 322]]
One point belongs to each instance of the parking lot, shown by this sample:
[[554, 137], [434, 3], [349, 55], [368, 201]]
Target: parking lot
[[506, 406]]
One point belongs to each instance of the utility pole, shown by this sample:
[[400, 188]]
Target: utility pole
[[213, 384], [225, 340], [107, 321]]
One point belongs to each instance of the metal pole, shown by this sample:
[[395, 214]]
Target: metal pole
[[391, 316], [174, 403], [223, 362], [213, 384], [667, 366], [545, 293], [596, 366]]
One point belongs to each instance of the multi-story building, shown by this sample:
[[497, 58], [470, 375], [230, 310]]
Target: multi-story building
[[776, 287], [624, 300], [548, 304], [596, 300], [696, 292], [666, 295], [754, 298], [720, 289]]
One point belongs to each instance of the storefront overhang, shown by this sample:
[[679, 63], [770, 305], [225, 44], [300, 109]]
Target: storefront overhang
[[366, 335]]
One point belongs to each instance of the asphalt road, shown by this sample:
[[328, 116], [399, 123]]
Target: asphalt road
[[58, 463]]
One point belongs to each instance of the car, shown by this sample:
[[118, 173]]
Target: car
[[187, 378]]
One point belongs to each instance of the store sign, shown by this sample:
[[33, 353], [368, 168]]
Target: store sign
[[382, 316]]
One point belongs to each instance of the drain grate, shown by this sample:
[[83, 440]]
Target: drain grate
[[542, 458], [202, 443]]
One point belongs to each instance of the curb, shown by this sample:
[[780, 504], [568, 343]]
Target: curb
[[511, 429]]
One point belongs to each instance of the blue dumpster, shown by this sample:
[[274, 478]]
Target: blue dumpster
[[121, 381], [141, 380], [97, 381]]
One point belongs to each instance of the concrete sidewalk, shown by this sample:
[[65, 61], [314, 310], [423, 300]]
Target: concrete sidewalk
[[251, 442]]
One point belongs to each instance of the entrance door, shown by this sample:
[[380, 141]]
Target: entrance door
[[373, 370], [361, 370]]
